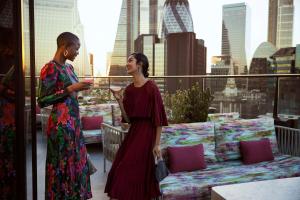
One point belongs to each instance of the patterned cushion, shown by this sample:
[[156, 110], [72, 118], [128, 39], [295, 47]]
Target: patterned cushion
[[92, 136], [228, 135], [191, 134]]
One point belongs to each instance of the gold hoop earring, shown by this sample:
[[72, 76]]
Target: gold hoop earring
[[66, 53]]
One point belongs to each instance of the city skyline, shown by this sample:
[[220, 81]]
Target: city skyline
[[100, 39]]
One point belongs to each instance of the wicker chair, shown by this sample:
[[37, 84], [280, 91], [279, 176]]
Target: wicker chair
[[112, 138]]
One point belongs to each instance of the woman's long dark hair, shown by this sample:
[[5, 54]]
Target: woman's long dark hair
[[141, 58]]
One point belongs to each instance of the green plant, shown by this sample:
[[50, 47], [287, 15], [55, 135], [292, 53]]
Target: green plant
[[190, 105]]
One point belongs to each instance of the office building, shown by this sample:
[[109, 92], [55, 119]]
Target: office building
[[235, 30], [177, 17], [185, 55], [51, 19], [281, 19]]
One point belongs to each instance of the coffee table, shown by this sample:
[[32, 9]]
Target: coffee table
[[277, 189]]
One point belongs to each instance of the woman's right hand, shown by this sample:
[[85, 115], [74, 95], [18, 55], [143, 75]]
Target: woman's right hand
[[75, 87], [118, 94]]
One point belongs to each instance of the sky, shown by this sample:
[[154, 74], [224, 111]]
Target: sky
[[100, 21]]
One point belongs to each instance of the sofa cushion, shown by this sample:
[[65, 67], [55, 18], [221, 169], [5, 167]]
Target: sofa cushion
[[186, 158], [256, 151], [198, 184], [92, 136], [229, 134], [188, 134], [91, 122]]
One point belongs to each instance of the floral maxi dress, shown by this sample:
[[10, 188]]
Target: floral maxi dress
[[67, 172]]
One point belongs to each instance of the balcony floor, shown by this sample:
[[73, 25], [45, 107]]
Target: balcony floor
[[98, 179]]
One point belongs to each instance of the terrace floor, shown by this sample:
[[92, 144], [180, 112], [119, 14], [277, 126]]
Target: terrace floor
[[98, 179]]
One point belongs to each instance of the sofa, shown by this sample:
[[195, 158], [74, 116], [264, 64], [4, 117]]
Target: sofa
[[109, 113], [224, 162]]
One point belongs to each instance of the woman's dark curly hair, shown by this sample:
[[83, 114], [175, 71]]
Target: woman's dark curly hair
[[141, 58]]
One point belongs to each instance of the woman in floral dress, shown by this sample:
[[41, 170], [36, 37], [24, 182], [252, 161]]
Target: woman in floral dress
[[7, 117], [132, 175], [67, 171]]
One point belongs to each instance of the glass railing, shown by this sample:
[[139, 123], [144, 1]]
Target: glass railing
[[251, 96]]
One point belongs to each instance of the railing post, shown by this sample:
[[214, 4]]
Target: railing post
[[275, 107], [109, 88]]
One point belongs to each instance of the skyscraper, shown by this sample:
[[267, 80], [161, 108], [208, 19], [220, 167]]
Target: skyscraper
[[281, 19], [177, 17], [185, 55], [149, 16], [235, 34], [127, 32], [145, 43], [51, 19]]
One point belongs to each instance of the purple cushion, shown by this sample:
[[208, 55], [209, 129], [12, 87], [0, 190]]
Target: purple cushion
[[91, 122], [256, 151], [186, 158]]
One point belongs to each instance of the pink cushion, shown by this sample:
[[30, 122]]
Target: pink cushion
[[37, 109], [91, 122], [256, 151], [186, 158]]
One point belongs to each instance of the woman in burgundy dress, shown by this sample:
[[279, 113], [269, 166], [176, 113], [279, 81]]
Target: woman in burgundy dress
[[132, 176]]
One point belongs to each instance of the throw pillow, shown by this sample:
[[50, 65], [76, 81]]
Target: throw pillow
[[91, 122], [256, 151], [186, 158]]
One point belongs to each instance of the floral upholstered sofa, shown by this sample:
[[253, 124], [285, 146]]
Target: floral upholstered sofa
[[220, 139], [110, 114]]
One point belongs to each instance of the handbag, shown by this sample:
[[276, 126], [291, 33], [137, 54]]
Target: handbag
[[161, 170]]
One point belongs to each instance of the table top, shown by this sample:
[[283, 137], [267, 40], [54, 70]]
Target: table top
[[277, 189]]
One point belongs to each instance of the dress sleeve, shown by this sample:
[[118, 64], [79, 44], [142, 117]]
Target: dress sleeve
[[49, 93], [159, 117]]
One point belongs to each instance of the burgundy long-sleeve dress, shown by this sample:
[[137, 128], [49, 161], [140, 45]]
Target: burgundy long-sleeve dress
[[132, 176]]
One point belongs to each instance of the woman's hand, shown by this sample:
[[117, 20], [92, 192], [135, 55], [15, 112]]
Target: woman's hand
[[156, 151], [118, 94], [79, 87]]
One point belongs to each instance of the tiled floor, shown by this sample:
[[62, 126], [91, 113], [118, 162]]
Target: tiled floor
[[98, 179]]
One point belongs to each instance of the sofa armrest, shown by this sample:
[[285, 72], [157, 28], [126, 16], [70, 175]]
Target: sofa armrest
[[288, 140]]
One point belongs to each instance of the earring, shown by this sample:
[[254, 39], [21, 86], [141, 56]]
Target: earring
[[66, 53]]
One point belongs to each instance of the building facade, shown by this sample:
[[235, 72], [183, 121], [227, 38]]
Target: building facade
[[127, 32], [53, 17], [281, 19], [177, 17], [185, 55], [235, 29]]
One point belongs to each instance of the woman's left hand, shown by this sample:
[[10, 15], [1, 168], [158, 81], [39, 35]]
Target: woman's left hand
[[156, 151]]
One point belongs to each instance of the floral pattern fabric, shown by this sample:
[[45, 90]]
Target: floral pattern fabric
[[104, 110], [228, 135], [197, 185], [7, 152], [190, 134], [67, 172]]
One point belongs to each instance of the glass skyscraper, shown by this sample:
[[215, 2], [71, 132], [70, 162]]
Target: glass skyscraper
[[177, 17], [53, 17], [297, 58], [281, 19], [137, 17], [235, 33], [127, 32]]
